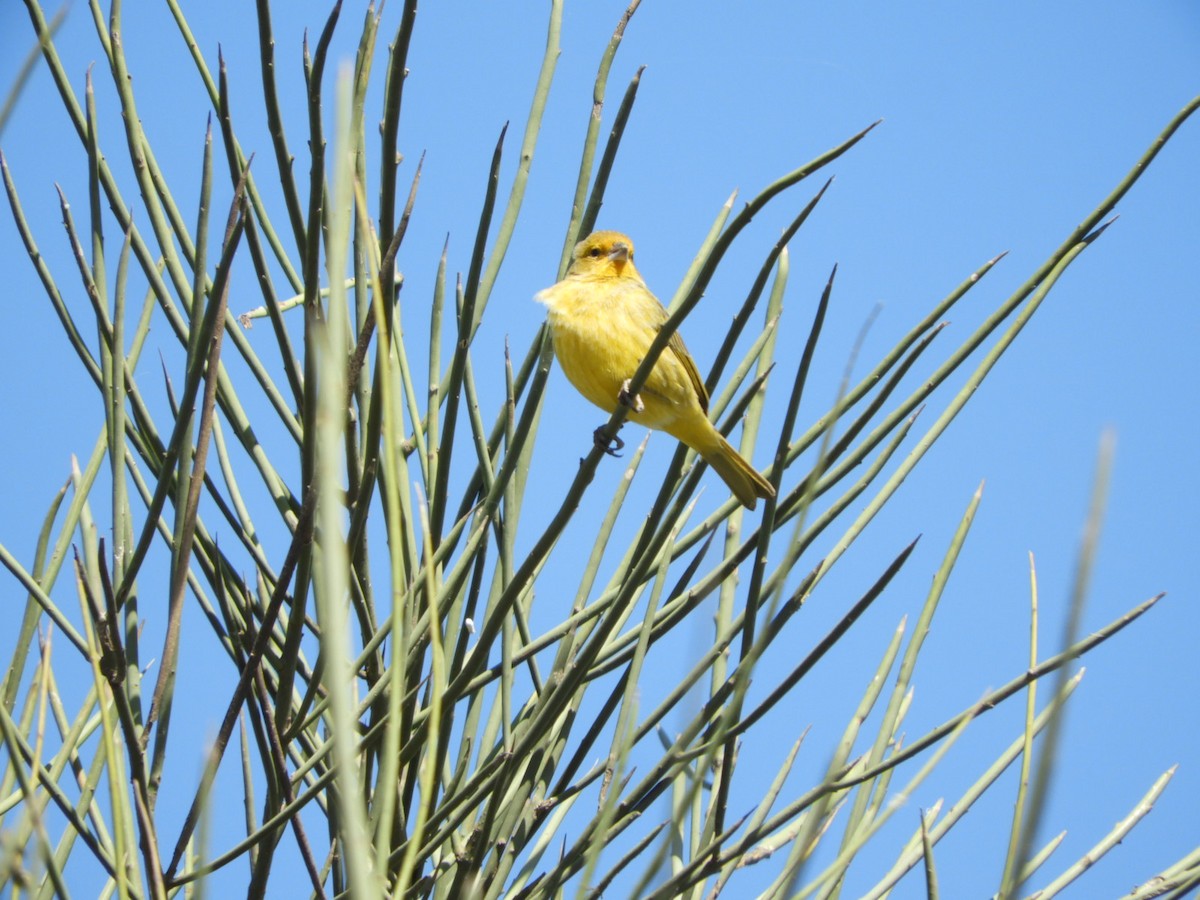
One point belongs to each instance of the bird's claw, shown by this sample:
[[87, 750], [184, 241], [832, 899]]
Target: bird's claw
[[633, 401], [609, 446]]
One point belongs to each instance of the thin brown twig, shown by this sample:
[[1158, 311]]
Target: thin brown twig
[[359, 356], [289, 795], [135, 753], [300, 539], [166, 673]]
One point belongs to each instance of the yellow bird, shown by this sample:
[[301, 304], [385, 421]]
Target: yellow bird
[[603, 318]]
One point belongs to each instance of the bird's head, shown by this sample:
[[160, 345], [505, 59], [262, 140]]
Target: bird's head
[[604, 254]]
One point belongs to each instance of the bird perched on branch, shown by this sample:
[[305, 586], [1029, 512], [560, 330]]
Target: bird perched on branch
[[602, 320]]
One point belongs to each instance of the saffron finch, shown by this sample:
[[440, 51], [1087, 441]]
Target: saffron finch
[[602, 319]]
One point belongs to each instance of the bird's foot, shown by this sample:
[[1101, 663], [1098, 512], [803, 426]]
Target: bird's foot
[[633, 401], [609, 446]]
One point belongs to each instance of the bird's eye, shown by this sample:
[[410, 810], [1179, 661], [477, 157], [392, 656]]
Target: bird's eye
[[594, 252]]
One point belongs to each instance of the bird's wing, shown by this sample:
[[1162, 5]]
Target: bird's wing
[[658, 315], [675, 345]]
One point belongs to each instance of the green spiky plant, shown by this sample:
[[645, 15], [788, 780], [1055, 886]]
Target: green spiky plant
[[401, 729]]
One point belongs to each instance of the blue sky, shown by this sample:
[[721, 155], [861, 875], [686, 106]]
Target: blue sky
[[1003, 126]]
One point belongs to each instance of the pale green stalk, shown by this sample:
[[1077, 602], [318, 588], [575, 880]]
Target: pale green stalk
[[332, 570]]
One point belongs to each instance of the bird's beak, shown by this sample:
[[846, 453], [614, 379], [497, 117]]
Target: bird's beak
[[619, 252]]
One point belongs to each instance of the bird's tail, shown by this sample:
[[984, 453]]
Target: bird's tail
[[743, 479]]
